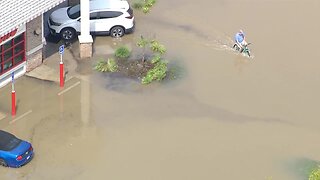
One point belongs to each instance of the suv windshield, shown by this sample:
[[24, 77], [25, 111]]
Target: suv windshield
[[8, 141], [74, 11]]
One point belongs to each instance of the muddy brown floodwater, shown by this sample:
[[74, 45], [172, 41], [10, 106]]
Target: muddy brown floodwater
[[227, 118]]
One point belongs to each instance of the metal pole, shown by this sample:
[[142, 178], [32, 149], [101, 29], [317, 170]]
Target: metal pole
[[61, 72], [13, 97]]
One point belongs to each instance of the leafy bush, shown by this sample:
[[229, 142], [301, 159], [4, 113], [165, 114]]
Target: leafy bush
[[157, 73], [107, 66], [144, 5], [142, 42], [101, 66], [113, 67], [137, 5], [122, 52], [315, 174], [156, 47], [155, 59]]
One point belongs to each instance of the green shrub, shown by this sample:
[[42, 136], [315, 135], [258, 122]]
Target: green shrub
[[157, 73], [122, 52], [144, 5], [112, 65], [315, 174], [156, 47], [106, 66], [142, 42], [155, 59], [137, 5], [101, 66]]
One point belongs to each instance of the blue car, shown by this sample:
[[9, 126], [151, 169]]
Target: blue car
[[14, 152]]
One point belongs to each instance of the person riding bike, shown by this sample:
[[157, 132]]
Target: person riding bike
[[240, 40]]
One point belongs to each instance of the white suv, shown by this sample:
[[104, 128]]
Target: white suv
[[112, 17]]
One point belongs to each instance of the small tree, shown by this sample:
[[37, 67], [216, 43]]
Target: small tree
[[156, 48], [159, 71], [142, 43]]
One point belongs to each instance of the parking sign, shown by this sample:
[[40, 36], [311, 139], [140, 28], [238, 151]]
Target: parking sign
[[61, 49], [12, 77]]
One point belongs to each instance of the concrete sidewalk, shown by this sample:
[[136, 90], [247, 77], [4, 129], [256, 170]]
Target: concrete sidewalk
[[49, 70], [45, 72]]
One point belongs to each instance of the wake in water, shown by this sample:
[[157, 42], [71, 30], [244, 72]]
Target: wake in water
[[215, 40], [224, 43]]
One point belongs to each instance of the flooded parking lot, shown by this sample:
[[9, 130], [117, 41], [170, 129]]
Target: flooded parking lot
[[227, 117]]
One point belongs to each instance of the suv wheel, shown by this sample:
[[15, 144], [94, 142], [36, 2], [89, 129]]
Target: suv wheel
[[117, 32], [68, 33]]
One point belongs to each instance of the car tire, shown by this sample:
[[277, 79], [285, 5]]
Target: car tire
[[68, 34], [3, 163], [116, 32]]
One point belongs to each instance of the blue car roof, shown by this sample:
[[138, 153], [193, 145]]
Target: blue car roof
[[8, 141]]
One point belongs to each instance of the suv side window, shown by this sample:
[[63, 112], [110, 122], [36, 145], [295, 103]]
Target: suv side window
[[109, 14], [93, 16], [74, 11]]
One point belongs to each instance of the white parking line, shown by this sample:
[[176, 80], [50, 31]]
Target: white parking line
[[2, 115], [23, 115], [77, 83], [71, 77]]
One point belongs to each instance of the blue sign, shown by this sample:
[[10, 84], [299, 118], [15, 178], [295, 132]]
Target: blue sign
[[12, 76], [61, 49]]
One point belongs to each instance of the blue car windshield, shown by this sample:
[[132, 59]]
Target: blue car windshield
[[8, 141], [74, 11]]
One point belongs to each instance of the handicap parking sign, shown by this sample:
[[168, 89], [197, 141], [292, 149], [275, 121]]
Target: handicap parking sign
[[61, 49]]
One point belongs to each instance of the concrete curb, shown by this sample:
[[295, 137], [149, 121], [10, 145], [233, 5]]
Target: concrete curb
[[47, 73], [44, 72]]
